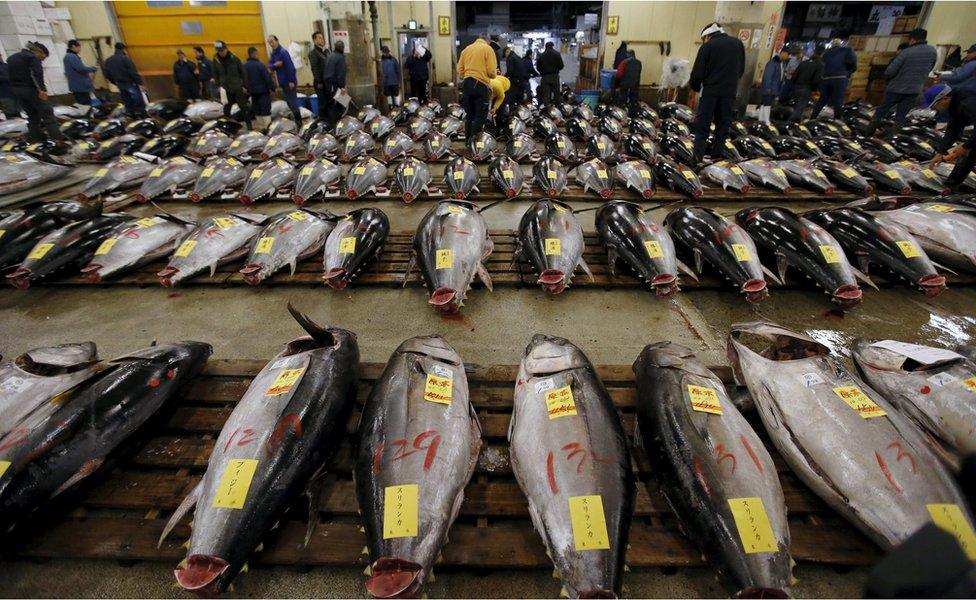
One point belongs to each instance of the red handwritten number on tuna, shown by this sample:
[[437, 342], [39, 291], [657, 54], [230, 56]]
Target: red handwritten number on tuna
[[429, 440], [574, 450], [246, 437]]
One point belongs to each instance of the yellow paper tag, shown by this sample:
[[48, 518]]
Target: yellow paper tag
[[455, 210], [560, 402], [40, 250], [737, 171], [256, 173], [830, 254], [105, 246], [234, 483], [401, 509], [928, 173], [207, 172], [704, 399], [156, 172], [223, 222], [307, 170], [858, 400], [653, 248], [688, 174], [235, 143], [849, 173], [646, 145], [893, 174], [458, 175], [105, 144], [969, 384], [479, 145], [508, 174], [942, 208], [297, 215], [517, 144], [313, 143], [444, 259], [819, 173], [146, 223], [947, 516], [780, 172], [753, 524], [742, 253], [589, 523], [4, 465], [553, 247], [284, 382], [435, 143], [645, 173], [185, 248], [551, 174], [264, 245], [101, 172], [347, 245], [855, 146], [560, 144], [908, 248], [201, 142], [407, 171], [438, 389], [601, 173], [2, 231], [925, 145], [601, 145], [274, 142]]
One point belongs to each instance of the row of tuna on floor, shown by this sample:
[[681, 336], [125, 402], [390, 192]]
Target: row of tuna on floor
[[879, 448], [450, 246]]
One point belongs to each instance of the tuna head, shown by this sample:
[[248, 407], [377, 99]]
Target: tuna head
[[358, 145], [630, 235], [281, 125], [204, 110], [397, 145], [551, 239], [282, 144], [218, 174], [286, 239], [450, 126], [347, 125], [637, 176], [845, 176], [356, 241], [805, 174], [247, 143], [482, 146], [602, 147], [323, 144], [677, 177], [412, 176], [561, 147], [520, 146], [516, 126], [436, 146], [886, 177], [364, 177], [594, 175], [118, 146], [419, 127], [211, 143], [381, 126], [107, 129], [640, 147], [550, 175], [461, 177], [727, 175], [213, 242], [507, 176], [165, 146], [314, 178], [266, 178], [122, 173], [173, 174], [680, 148]]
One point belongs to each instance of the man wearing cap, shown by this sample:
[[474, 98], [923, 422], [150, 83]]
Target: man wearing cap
[[390, 68], [316, 60], [718, 67], [839, 62], [334, 79], [78, 75], [185, 77], [208, 89], [906, 75], [27, 84], [121, 71], [964, 155], [476, 66], [280, 62], [229, 74]]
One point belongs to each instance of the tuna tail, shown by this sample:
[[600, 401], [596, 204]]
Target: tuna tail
[[321, 335]]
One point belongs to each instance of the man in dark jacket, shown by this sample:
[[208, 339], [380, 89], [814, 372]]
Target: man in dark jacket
[[208, 89], [840, 62], [549, 63], [27, 84], [517, 76], [229, 74], [628, 80], [120, 71], [532, 72], [316, 60], [906, 75], [185, 77], [390, 67], [334, 78], [964, 155], [8, 104], [620, 55], [715, 76], [418, 66], [260, 84], [78, 74], [806, 78]]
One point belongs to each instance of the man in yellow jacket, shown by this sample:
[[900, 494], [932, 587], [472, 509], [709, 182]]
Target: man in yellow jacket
[[477, 67], [499, 86]]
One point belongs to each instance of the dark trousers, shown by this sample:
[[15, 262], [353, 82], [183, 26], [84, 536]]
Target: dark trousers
[[627, 96], [261, 104], [392, 91], [240, 98], [319, 93], [474, 99], [515, 94], [802, 94], [958, 120], [290, 96], [333, 110], [208, 90], [189, 91], [82, 98], [40, 116], [902, 103], [418, 89], [9, 107], [717, 109], [548, 89], [135, 105], [963, 168], [832, 92]]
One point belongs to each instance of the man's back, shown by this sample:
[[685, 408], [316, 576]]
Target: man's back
[[809, 73], [550, 62], [907, 73], [21, 66], [478, 61], [839, 61], [632, 73], [719, 66]]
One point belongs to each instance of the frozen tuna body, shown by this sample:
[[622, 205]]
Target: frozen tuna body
[[135, 244], [412, 176], [551, 240], [218, 175], [19, 171], [314, 178], [354, 243], [173, 174], [247, 143], [286, 239], [267, 178], [364, 177], [630, 236], [215, 241]]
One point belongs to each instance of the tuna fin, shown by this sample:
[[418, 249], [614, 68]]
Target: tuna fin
[[171, 217], [406, 276], [863, 277], [612, 259], [771, 275], [942, 267], [293, 264], [188, 502], [86, 469], [492, 204], [863, 261], [484, 276], [319, 334], [687, 270], [699, 260], [586, 269], [314, 493], [213, 268], [252, 218], [781, 266], [638, 438]]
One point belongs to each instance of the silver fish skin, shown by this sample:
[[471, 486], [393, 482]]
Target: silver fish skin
[[436, 146], [419, 127], [805, 174], [506, 174], [482, 146], [30, 382], [380, 126], [920, 176], [710, 460], [357, 145], [520, 146], [266, 178], [766, 173], [287, 238], [550, 175], [438, 422], [347, 125], [168, 177], [876, 470], [368, 114], [450, 126], [13, 128], [412, 176], [280, 125], [637, 176], [946, 232], [551, 239], [397, 144], [20, 171], [364, 177], [322, 145], [569, 456], [727, 175], [356, 241], [213, 242], [450, 246], [247, 143], [122, 173], [211, 143], [204, 110], [594, 176], [218, 175], [136, 244], [602, 147], [936, 396], [282, 144], [461, 177], [314, 178]]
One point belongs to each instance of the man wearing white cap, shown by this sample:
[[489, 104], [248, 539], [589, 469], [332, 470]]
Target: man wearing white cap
[[718, 67]]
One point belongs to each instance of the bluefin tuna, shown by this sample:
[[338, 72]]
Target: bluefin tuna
[[461, 177], [358, 145], [630, 236], [594, 176], [282, 144], [218, 175], [436, 146], [845, 176], [246, 144], [214, 242], [753, 146], [550, 175], [147, 128], [381, 126], [211, 143], [118, 146], [640, 147], [204, 110], [551, 240], [364, 177], [766, 173], [398, 145], [677, 177], [804, 173], [281, 125], [356, 241], [919, 177], [267, 178], [450, 127], [506, 175], [165, 146], [412, 176], [482, 146], [122, 173], [602, 147], [173, 174], [22, 171], [885, 177], [419, 127], [793, 146], [680, 148], [946, 232], [728, 175], [182, 126], [636, 175], [347, 125], [287, 238], [520, 147], [561, 147], [135, 244], [317, 177], [323, 145], [23, 228], [579, 129]]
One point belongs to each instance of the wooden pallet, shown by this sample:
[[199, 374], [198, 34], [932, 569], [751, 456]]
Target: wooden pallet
[[390, 269], [121, 516]]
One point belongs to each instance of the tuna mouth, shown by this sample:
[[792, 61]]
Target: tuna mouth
[[201, 575], [252, 273], [605, 193], [745, 189], [761, 592], [905, 191], [698, 193], [195, 197], [407, 197], [551, 193], [509, 193], [829, 190], [553, 281], [459, 196], [83, 196], [755, 290], [141, 198], [787, 190], [246, 199], [848, 295], [445, 300], [932, 285], [166, 276], [298, 199], [664, 284], [394, 578], [91, 273], [265, 156], [20, 278], [336, 278], [868, 189], [352, 194]]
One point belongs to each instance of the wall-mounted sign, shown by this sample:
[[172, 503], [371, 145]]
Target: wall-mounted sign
[[756, 38], [613, 25], [879, 12], [780, 39], [444, 25], [411, 24], [824, 13], [745, 35], [341, 35], [770, 34]]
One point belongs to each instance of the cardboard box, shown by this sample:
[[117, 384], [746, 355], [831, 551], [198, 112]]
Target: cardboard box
[[57, 14], [13, 43], [16, 26], [42, 27]]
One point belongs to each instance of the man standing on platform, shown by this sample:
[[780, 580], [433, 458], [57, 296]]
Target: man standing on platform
[[27, 83], [229, 74], [476, 67], [121, 72], [715, 76], [549, 63], [281, 63], [78, 74], [316, 61], [906, 76]]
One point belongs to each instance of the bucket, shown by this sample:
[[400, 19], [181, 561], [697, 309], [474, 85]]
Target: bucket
[[590, 97], [313, 104], [606, 78]]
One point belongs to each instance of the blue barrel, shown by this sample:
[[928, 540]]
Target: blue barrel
[[313, 104], [606, 78], [591, 97]]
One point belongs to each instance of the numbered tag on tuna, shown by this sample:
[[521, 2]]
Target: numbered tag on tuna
[[101, 172], [969, 384], [653, 248], [4, 465], [849, 173], [644, 173], [146, 223], [234, 483], [830, 254], [508, 174], [207, 172], [601, 173], [753, 524], [185, 248], [156, 172], [560, 402], [347, 245], [553, 247], [297, 215], [458, 175], [407, 171], [401, 511], [307, 170], [264, 245], [742, 253], [444, 259], [40, 251], [688, 174], [940, 208], [704, 399], [589, 523], [105, 247], [223, 222], [455, 210], [908, 248], [439, 386], [858, 400], [284, 382], [949, 517], [737, 171], [256, 173]]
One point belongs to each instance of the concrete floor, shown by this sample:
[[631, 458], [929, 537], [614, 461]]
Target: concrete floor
[[610, 326]]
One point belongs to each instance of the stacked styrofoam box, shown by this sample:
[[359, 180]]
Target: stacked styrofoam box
[[27, 21]]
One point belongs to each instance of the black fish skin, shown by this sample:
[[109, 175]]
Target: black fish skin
[[671, 174], [94, 422], [372, 228], [21, 234], [845, 176], [621, 227]]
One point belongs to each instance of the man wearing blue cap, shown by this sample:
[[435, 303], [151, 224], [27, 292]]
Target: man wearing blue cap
[[78, 74]]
